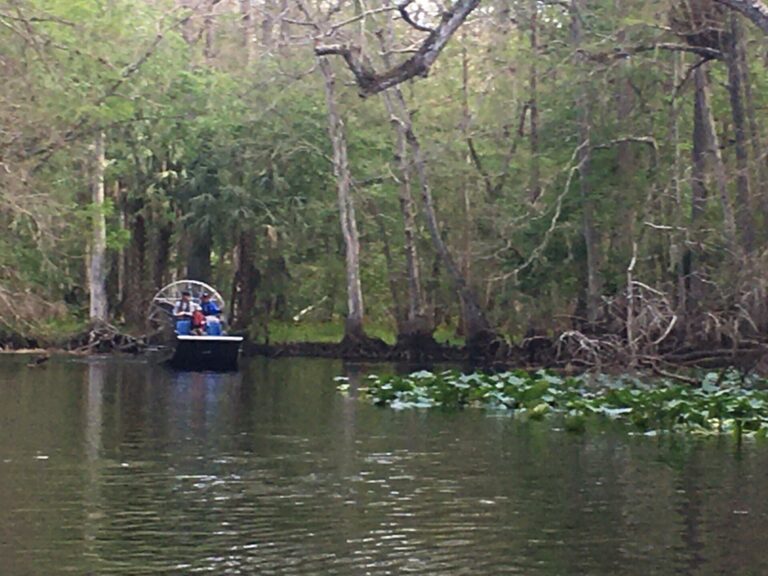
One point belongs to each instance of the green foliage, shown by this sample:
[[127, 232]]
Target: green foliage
[[712, 408], [202, 145]]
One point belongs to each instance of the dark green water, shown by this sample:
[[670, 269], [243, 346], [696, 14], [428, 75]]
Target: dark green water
[[117, 467]]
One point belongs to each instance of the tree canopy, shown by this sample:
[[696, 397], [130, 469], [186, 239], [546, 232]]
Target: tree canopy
[[517, 166]]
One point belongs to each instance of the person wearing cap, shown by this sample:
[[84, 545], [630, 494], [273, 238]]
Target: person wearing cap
[[210, 309], [187, 315], [185, 308]]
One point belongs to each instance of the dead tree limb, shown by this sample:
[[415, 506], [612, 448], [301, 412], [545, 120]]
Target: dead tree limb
[[371, 82], [627, 51], [755, 10], [403, 9]]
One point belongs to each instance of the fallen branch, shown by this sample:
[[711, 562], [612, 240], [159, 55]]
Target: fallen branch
[[666, 333], [103, 337], [672, 376]]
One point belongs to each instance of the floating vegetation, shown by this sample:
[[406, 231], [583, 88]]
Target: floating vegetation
[[721, 404]]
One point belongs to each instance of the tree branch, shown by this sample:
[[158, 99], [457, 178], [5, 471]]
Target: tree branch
[[419, 64], [626, 52], [81, 127], [333, 27], [755, 10], [648, 140], [36, 19], [402, 8]]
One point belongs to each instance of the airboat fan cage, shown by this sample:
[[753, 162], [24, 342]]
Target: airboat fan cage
[[160, 314]]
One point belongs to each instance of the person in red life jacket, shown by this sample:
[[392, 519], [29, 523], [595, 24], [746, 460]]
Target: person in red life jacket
[[198, 322]]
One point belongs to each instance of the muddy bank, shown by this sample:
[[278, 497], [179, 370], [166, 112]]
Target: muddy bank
[[534, 353], [96, 339], [568, 352], [382, 352], [11, 341]]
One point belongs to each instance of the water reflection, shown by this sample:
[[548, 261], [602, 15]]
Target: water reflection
[[123, 468]]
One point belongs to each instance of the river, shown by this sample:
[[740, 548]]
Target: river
[[121, 467]]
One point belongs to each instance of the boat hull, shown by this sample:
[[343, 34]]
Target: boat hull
[[220, 353]]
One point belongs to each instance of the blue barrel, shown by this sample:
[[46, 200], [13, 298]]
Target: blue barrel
[[183, 327]]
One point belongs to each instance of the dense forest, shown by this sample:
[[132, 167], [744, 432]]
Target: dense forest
[[592, 173]]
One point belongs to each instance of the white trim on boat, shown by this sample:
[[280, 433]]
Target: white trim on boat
[[209, 338]]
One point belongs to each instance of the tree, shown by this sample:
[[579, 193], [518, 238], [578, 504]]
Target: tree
[[99, 309]]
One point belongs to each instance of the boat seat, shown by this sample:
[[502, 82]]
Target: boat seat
[[183, 327]]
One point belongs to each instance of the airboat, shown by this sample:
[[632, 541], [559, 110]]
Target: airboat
[[209, 347]]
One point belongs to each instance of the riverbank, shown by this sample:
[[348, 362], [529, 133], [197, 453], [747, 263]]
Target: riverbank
[[571, 351], [75, 338], [535, 354]]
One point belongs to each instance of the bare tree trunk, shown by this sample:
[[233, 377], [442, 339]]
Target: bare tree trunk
[[625, 154], [208, 30], [760, 171], [355, 314], [199, 259], [267, 24], [701, 145], [624, 100], [162, 254], [187, 27], [416, 308], [677, 238], [743, 194], [533, 105], [416, 313], [699, 193], [588, 219], [401, 319], [246, 281], [466, 236], [478, 330], [284, 25], [121, 252], [246, 17], [136, 266], [98, 265], [713, 153], [417, 323]]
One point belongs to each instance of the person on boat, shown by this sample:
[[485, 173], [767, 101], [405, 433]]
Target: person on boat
[[198, 322], [210, 310], [187, 309]]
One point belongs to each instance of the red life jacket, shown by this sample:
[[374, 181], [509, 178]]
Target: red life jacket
[[198, 319]]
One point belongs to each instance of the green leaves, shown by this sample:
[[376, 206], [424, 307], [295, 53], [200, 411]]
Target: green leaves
[[710, 409]]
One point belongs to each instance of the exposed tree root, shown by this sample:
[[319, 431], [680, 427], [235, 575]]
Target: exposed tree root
[[417, 346], [101, 338]]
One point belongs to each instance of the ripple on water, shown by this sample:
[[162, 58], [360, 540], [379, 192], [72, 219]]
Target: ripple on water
[[269, 472]]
